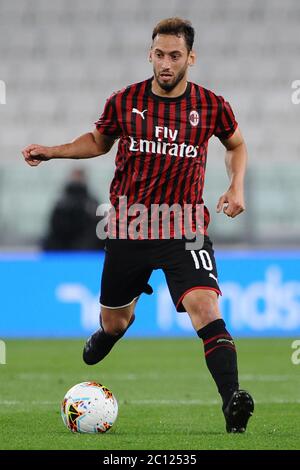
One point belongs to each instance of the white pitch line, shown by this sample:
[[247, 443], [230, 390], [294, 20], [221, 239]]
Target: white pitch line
[[26, 403], [273, 401], [154, 376], [202, 402], [267, 378]]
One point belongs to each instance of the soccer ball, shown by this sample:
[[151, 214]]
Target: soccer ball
[[89, 407]]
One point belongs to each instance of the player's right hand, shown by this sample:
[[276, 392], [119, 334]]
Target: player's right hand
[[35, 154]]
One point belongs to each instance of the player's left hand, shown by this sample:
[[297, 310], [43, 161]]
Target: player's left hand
[[232, 202]]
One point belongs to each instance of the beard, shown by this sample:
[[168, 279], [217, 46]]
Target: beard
[[173, 83]]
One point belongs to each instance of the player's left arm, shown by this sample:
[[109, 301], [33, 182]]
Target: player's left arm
[[233, 201]]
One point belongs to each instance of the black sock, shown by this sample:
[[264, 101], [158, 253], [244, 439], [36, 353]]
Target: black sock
[[220, 356], [106, 341]]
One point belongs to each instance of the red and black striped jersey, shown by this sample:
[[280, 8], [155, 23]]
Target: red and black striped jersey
[[163, 143]]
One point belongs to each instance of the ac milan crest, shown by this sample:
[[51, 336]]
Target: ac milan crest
[[194, 118]]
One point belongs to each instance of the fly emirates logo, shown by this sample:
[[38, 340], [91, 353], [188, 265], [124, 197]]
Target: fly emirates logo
[[162, 147]]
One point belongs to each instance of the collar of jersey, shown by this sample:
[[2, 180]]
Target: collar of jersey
[[165, 98]]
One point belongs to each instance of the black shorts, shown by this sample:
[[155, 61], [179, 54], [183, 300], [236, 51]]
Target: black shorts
[[129, 263]]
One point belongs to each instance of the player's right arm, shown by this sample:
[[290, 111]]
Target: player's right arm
[[89, 145]]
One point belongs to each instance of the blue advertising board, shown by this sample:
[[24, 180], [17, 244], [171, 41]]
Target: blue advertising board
[[57, 295]]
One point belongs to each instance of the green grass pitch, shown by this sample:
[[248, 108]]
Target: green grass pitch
[[167, 399]]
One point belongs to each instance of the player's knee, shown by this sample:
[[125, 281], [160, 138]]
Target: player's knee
[[203, 308]]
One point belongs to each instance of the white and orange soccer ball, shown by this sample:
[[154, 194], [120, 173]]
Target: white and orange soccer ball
[[89, 407]]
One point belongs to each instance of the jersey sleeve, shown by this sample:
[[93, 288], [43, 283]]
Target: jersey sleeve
[[226, 123], [108, 122]]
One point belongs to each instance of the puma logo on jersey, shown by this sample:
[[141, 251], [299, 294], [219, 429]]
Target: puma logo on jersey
[[141, 113]]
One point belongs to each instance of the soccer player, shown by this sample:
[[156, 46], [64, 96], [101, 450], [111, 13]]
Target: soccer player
[[163, 125]]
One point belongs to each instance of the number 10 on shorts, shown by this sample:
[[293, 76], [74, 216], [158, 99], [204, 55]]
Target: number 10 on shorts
[[202, 257]]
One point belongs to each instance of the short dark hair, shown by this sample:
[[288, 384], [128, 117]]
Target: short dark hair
[[178, 27]]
